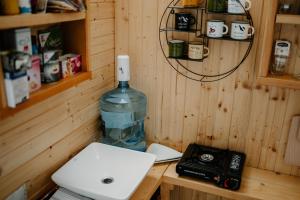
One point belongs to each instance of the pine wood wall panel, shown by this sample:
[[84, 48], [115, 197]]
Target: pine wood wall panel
[[25, 116], [101, 44], [52, 158], [101, 27], [102, 10], [103, 59], [170, 97], [37, 141], [234, 113]]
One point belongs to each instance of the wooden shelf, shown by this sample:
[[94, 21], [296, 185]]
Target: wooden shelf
[[287, 19], [266, 43], [285, 81], [256, 184], [16, 21], [46, 91]]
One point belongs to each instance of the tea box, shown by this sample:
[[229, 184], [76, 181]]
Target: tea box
[[34, 74], [70, 65]]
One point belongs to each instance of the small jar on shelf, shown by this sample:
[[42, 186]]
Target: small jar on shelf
[[281, 57], [25, 6], [285, 8]]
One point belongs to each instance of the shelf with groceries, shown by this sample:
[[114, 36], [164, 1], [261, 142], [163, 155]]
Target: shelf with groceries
[[40, 58], [46, 91]]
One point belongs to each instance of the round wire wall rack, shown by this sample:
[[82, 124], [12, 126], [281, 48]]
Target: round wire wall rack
[[166, 34]]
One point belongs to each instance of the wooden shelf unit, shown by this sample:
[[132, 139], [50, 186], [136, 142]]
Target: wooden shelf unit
[[287, 81], [269, 19], [75, 35], [46, 91], [287, 19], [16, 21], [256, 184]]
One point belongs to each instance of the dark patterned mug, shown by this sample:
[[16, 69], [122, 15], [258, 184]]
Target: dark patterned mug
[[183, 21]]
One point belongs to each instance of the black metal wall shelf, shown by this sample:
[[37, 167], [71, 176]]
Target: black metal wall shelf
[[227, 37], [190, 7], [224, 13], [188, 59], [175, 30], [167, 33]]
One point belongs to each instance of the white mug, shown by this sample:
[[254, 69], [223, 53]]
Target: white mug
[[196, 50], [241, 30], [238, 6], [216, 28]]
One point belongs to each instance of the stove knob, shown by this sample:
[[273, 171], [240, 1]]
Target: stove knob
[[226, 183], [232, 183]]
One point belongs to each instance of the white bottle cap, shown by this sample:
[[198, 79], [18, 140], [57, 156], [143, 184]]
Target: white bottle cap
[[123, 68]]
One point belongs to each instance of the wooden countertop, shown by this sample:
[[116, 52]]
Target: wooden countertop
[[256, 184], [151, 182]]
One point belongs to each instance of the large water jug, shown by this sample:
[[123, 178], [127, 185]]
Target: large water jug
[[123, 110]]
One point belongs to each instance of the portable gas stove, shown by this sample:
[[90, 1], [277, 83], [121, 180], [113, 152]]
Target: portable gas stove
[[223, 167]]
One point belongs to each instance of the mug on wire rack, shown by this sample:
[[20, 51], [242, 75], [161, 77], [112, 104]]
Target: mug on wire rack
[[241, 30], [216, 28], [184, 21], [197, 50], [238, 6]]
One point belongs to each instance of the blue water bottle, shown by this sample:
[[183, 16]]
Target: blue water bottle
[[123, 110]]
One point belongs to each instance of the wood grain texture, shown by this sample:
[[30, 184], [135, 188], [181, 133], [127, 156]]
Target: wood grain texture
[[287, 19], [150, 183], [293, 146], [237, 113], [285, 81], [36, 141], [184, 193], [266, 36]]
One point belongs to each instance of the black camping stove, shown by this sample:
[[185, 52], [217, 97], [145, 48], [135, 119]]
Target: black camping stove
[[223, 167]]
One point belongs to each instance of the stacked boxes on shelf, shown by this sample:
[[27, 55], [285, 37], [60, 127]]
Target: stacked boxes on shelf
[[31, 57]]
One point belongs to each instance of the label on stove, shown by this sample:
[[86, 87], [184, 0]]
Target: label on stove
[[207, 157], [235, 162]]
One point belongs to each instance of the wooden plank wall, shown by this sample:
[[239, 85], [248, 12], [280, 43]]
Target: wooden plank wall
[[37, 141], [233, 113]]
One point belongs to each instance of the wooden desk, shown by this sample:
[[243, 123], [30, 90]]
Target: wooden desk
[[256, 184], [151, 182]]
